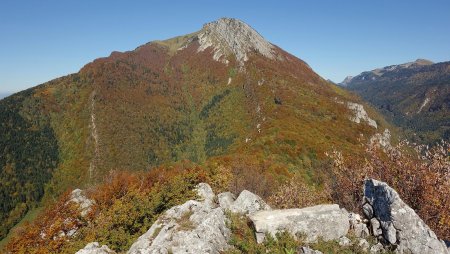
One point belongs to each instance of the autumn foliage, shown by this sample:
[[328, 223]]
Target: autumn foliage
[[126, 205]]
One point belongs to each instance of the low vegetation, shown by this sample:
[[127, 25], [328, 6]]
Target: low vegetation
[[243, 241], [126, 205]]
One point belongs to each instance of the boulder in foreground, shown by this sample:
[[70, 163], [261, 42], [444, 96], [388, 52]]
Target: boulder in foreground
[[395, 223], [328, 222]]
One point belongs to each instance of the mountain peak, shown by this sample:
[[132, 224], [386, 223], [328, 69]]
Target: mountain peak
[[232, 36], [421, 61], [346, 81]]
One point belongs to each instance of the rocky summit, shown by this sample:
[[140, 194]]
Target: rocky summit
[[231, 36]]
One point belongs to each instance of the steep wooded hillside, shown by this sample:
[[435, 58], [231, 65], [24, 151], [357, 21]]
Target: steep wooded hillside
[[415, 96], [220, 97]]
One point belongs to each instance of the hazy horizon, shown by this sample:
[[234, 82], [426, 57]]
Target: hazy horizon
[[46, 40]]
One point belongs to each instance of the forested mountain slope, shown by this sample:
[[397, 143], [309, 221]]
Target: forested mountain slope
[[415, 96], [220, 97]]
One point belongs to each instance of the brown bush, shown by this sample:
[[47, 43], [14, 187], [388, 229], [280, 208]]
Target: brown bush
[[297, 194]]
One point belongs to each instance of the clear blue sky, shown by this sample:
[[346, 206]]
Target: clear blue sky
[[42, 40]]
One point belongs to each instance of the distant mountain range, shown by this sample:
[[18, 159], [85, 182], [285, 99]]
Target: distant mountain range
[[414, 95]]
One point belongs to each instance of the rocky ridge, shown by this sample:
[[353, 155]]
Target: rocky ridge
[[413, 96], [376, 73], [200, 226], [78, 197]]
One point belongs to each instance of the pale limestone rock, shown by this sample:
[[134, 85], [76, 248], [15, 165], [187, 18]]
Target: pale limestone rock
[[344, 241], [228, 36], [364, 244], [376, 228], [360, 114], [382, 139], [197, 226], [357, 225], [326, 221], [194, 227], [400, 226], [94, 248], [247, 203], [368, 211], [226, 200], [205, 193], [307, 250], [377, 248], [77, 196]]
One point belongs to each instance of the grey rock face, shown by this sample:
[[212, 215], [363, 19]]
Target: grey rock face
[[193, 227], [226, 200], [357, 225], [307, 250], [382, 139], [94, 248], [247, 203], [360, 114], [205, 193], [326, 221], [368, 211], [344, 241], [228, 36], [364, 244], [197, 226], [77, 196], [400, 225], [377, 248], [376, 227]]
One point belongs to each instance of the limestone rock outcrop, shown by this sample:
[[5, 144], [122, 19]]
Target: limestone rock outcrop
[[307, 250], [395, 223], [77, 196], [360, 114], [247, 203], [200, 226], [382, 139], [358, 225], [328, 222], [95, 248], [228, 36], [197, 226]]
